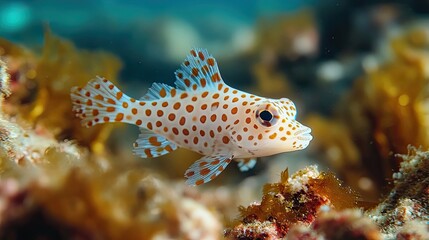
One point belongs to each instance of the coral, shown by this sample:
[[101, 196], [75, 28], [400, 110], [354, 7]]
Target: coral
[[346, 224], [41, 86], [295, 199], [409, 199]]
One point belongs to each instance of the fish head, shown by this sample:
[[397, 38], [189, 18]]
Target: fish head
[[273, 128]]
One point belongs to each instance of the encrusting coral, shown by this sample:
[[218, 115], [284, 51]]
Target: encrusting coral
[[293, 200], [409, 199], [313, 205]]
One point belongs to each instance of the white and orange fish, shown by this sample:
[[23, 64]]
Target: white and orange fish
[[200, 113]]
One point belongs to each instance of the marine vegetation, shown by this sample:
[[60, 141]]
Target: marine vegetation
[[202, 114]]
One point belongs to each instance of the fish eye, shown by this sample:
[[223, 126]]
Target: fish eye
[[267, 115]]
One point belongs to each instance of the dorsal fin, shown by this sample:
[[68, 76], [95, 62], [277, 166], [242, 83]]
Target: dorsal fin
[[199, 70]]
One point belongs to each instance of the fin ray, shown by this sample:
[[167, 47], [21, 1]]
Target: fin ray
[[159, 91]]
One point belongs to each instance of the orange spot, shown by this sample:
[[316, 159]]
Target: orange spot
[[194, 99], [106, 119], [194, 128], [219, 128], [195, 71], [202, 133], [180, 75], [187, 82], [193, 53], [98, 97], [234, 110], [204, 171], [185, 132], [173, 92], [158, 123], [204, 106], [226, 90], [272, 136], [154, 103], [164, 104], [199, 182], [248, 110], [201, 55], [215, 96], [224, 117], [212, 134], [260, 136], [234, 91], [220, 169], [215, 105], [105, 80], [165, 129], [97, 86], [236, 122], [89, 102], [203, 119], [147, 152], [235, 99], [171, 116], [134, 111], [119, 117], [89, 124], [215, 77], [215, 162], [248, 120], [148, 112], [168, 148], [159, 113], [288, 132], [219, 87], [244, 103], [194, 87], [245, 129], [211, 61], [176, 106], [119, 95], [184, 95], [225, 139], [124, 104], [95, 112], [190, 174], [139, 122], [250, 137], [154, 141], [110, 109], [128, 117], [205, 69], [88, 94], [175, 131], [213, 117], [189, 108], [195, 140], [226, 97], [142, 103], [283, 138], [149, 126], [182, 121], [204, 94], [111, 101]]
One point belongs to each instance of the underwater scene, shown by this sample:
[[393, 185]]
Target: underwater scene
[[147, 119]]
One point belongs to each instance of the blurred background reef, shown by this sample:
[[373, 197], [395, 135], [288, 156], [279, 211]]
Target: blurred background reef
[[358, 72]]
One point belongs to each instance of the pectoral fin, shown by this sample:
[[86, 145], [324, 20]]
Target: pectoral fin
[[206, 169]]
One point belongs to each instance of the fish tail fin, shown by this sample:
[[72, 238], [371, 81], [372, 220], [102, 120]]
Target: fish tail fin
[[100, 101]]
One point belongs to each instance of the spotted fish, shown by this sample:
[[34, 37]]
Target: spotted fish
[[200, 113]]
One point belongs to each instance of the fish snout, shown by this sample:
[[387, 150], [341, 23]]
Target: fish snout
[[303, 134]]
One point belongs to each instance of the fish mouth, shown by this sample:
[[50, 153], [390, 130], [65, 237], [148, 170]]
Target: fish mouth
[[304, 134]]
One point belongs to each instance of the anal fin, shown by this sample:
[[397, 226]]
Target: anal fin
[[150, 145], [206, 169], [246, 164]]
